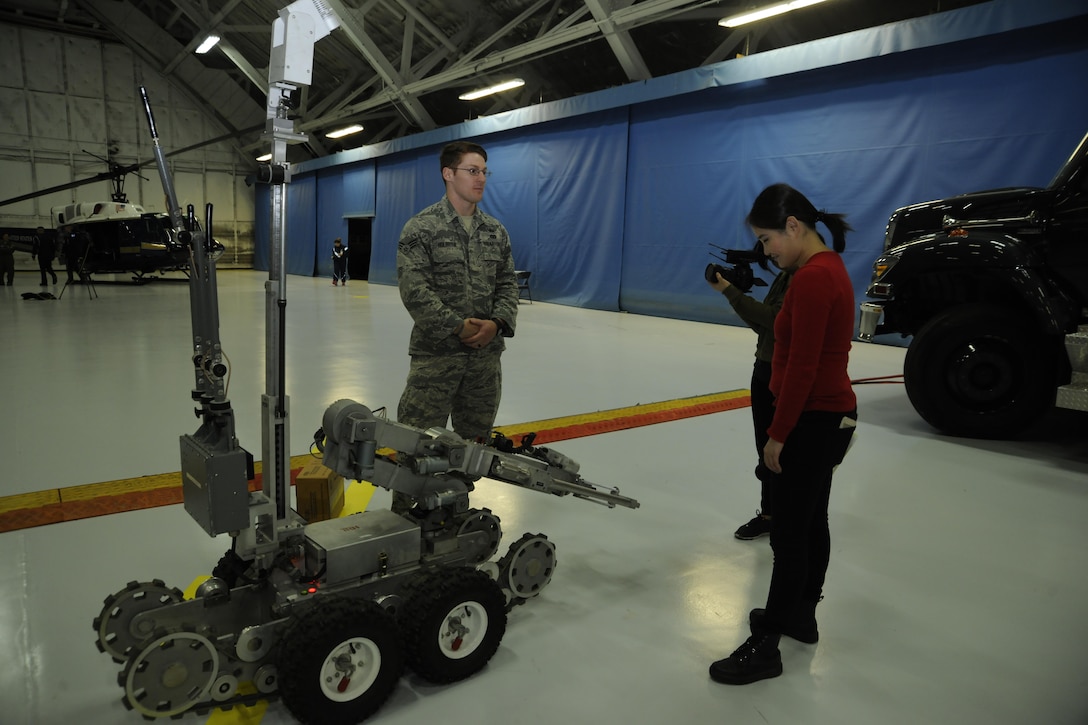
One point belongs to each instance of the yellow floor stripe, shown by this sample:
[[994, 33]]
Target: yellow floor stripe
[[29, 500], [90, 491], [76, 502], [605, 421]]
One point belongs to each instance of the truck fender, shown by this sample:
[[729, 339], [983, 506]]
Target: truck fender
[[999, 257]]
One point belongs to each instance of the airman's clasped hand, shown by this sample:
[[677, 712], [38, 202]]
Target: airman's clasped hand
[[476, 333]]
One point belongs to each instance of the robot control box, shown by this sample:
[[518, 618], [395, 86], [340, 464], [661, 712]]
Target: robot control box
[[360, 544], [215, 485]]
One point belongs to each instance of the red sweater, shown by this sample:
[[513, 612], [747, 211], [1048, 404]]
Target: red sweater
[[812, 335]]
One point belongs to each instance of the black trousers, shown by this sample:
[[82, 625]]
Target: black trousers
[[72, 266], [800, 537], [45, 266], [762, 415]]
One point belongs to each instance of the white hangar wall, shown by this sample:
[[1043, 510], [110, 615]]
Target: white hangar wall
[[65, 99]]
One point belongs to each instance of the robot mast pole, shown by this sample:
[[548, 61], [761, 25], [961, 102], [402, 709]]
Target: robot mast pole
[[299, 26], [275, 403]]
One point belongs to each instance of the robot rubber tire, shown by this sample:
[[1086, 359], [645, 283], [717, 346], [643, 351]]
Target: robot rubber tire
[[339, 662], [453, 621]]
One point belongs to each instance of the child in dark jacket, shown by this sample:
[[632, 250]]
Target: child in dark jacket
[[339, 263]]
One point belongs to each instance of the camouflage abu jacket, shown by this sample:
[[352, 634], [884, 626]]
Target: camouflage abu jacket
[[446, 274]]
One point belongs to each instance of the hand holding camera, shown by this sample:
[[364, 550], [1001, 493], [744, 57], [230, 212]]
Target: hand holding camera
[[740, 275]]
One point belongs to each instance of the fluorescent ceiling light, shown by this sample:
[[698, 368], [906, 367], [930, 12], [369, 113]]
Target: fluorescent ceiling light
[[767, 12], [265, 157], [345, 131], [208, 44], [473, 95]]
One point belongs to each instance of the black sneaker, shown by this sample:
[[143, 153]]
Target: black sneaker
[[757, 659], [759, 526], [808, 635]]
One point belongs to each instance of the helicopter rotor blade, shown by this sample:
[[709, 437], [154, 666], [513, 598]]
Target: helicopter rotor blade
[[104, 176], [122, 170]]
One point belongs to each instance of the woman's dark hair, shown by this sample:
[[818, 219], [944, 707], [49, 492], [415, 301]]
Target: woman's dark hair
[[779, 201]]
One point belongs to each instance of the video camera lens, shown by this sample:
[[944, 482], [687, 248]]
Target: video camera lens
[[715, 269], [740, 276]]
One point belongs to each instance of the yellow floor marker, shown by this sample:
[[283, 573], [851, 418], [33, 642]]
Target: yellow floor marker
[[76, 502], [357, 497], [241, 714]]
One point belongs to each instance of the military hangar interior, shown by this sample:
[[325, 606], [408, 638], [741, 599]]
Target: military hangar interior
[[954, 593]]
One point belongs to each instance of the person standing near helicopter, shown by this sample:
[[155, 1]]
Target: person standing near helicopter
[[44, 250], [76, 244], [7, 261]]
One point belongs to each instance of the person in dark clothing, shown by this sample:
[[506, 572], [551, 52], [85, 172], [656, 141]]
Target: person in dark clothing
[[815, 414], [7, 261], [339, 263], [44, 250], [760, 317], [75, 249]]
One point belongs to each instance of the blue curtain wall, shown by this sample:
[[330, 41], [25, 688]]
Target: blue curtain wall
[[616, 209], [318, 206]]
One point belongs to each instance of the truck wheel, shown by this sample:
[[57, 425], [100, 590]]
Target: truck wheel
[[339, 661], [980, 371], [453, 621]]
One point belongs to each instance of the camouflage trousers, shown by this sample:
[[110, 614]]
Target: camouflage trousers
[[465, 388]]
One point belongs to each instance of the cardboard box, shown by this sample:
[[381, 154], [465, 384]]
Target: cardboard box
[[319, 493]]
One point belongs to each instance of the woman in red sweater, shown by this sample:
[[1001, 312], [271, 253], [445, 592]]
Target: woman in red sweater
[[814, 419]]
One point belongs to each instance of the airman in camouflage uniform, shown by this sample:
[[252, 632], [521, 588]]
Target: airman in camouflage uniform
[[455, 271]]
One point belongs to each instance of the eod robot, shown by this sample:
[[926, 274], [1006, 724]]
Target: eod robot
[[323, 615]]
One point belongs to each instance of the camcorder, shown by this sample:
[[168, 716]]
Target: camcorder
[[740, 275]]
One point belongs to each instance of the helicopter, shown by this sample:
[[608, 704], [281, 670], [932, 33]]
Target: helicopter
[[114, 236]]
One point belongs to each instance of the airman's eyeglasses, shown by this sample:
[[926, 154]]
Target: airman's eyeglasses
[[472, 171]]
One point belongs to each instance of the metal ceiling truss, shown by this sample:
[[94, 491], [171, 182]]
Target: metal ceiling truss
[[398, 65], [564, 34], [135, 30]]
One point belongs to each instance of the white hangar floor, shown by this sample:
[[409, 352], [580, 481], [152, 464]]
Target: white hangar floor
[[954, 593]]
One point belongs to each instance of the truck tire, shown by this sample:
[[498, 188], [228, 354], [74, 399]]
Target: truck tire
[[980, 371]]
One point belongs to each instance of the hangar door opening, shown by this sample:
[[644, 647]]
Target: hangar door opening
[[359, 247]]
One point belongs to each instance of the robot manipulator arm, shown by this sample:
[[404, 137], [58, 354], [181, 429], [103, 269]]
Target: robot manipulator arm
[[357, 445], [353, 436]]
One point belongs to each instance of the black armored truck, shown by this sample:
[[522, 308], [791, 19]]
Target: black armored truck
[[993, 287]]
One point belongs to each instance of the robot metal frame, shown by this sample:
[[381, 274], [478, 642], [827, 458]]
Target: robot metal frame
[[325, 615]]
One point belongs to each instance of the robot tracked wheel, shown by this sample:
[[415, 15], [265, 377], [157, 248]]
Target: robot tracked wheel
[[169, 674], [527, 567], [117, 633]]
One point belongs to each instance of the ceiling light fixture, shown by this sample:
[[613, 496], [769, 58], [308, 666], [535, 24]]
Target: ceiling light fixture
[[473, 95], [345, 131], [767, 12], [207, 45], [264, 157]]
